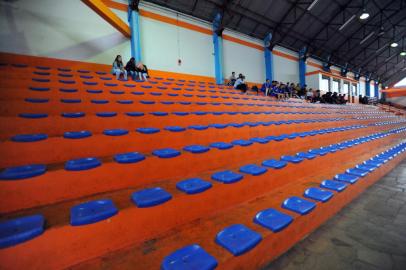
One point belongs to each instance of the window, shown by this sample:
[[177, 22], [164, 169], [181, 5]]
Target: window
[[325, 83], [336, 86], [346, 88], [354, 91]]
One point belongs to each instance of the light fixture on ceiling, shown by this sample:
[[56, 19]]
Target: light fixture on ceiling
[[346, 23], [312, 5], [366, 38], [394, 44], [364, 15], [403, 53]]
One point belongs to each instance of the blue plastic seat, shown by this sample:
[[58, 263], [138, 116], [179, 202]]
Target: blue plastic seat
[[219, 126], [292, 159], [106, 114], [319, 152], [365, 167], [37, 100], [29, 137], [40, 80], [357, 172], [89, 83], [86, 76], [83, 71], [241, 142], [37, 88], [115, 132], [373, 163], [99, 101], [273, 220], [259, 140], [70, 100], [129, 85], [110, 84], [131, 157], [175, 128], [236, 125], [65, 75], [77, 134], [33, 115], [318, 194], [345, 177], [82, 164], [227, 177], [137, 93], [135, 114], [298, 205], [92, 91], [68, 90], [193, 185], [148, 130], [67, 81], [125, 102], [181, 113], [159, 113], [116, 92], [73, 114], [305, 155], [92, 212], [22, 172], [333, 185], [19, 230], [185, 103], [221, 145], [238, 239], [150, 197], [198, 127], [253, 169], [274, 163], [196, 149], [188, 258], [166, 153]]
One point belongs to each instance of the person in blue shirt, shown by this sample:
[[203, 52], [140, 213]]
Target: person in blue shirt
[[266, 87]]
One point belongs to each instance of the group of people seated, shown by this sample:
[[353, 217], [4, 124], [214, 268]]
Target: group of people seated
[[133, 69], [280, 90], [363, 99], [333, 98]]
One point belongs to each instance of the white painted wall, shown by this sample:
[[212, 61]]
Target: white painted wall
[[313, 81], [284, 69], [361, 86]]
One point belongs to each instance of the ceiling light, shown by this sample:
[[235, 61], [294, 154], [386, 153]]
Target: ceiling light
[[364, 15], [393, 44], [367, 37], [346, 23], [312, 5], [403, 53]]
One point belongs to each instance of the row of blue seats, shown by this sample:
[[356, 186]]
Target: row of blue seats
[[237, 239], [119, 132], [137, 114], [28, 171]]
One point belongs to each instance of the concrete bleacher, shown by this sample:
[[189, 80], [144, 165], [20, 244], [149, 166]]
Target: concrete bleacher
[[173, 172]]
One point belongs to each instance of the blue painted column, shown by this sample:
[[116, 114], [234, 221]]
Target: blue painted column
[[218, 49], [376, 90], [367, 88], [268, 57], [302, 66], [134, 21]]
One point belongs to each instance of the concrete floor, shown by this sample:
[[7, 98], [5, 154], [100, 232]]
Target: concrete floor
[[370, 233]]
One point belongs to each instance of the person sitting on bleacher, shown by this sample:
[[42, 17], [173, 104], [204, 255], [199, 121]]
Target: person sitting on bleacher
[[240, 83], [118, 68], [142, 71], [232, 79], [131, 68], [266, 87]]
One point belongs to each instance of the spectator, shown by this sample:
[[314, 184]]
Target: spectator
[[232, 79], [266, 87], [118, 68], [240, 83], [142, 71], [131, 68], [309, 95]]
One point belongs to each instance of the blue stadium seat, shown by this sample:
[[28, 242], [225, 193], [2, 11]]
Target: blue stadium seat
[[292, 159], [82, 164], [22, 172], [333, 185], [175, 128], [19, 230], [298, 205], [68, 90], [259, 140], [115, 132], [94, 91], [241, 142], [305, 155], [150, 197], [193, 185], [273, 219], [29, 137], [92, 212], [148, 130], [166, 153], [253, 169], [37, 88], [73, 114], [275, 164], [99, 101], [227, 177], [238, 239], [70, 100], [198, 127], [196, 149], [189, 257], [90, 83], [181, 113], [345, 177], [357, 172], [159, 113], [366, 167], [131, 157], [135, 114], [318, 194], [116, 92], [37, 100], [106, 114], [221, 145], [33, 115], [77, 134]]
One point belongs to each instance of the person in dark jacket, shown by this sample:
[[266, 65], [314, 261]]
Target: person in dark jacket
[[131, 68]]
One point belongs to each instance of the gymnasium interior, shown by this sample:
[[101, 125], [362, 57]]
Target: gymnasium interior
[[169, 162]]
